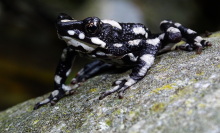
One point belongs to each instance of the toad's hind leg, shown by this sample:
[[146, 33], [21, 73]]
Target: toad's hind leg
[[90, 70], [175, 32]]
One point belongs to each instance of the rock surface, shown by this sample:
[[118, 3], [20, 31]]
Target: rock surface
[[181, 93]]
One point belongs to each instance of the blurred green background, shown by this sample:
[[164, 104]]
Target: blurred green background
[[30, 49]]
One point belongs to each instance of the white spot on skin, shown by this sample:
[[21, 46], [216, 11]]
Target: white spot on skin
[[45, 101], [113, 23], [66, 88], [139, 30], [94, 56], [96, 40], [81, 72], [134, 42], [154, 41], [65, 20], [130, 82], [73, 87], [189, 31], [177, 24], [132, 57], [117, 45], [76, 43], [165, 21], [198, 44], [81, 36], [57, 79], [68, 72], [146, 35], [161, 37], [173, 30], [198, 39], [100, 53], [149, 60], [71, 32], [118, 82], [55, 93]]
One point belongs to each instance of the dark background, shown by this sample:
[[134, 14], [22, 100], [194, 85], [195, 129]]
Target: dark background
[[30, 49]]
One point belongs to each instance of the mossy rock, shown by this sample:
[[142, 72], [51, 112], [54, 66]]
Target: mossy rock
[[181, 93]]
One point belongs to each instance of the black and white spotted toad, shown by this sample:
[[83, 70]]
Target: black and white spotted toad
[[113, 45]]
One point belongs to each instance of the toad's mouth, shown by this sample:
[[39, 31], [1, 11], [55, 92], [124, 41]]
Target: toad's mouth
[[76, 43]]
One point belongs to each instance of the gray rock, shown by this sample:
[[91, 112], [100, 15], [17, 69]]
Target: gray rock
[[181, 93]]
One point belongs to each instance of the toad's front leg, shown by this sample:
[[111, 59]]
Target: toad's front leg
[[144, 62], [61, 74]]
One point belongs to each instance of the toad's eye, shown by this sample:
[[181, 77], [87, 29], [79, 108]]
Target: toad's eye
[[92, 25], [92, 28]]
